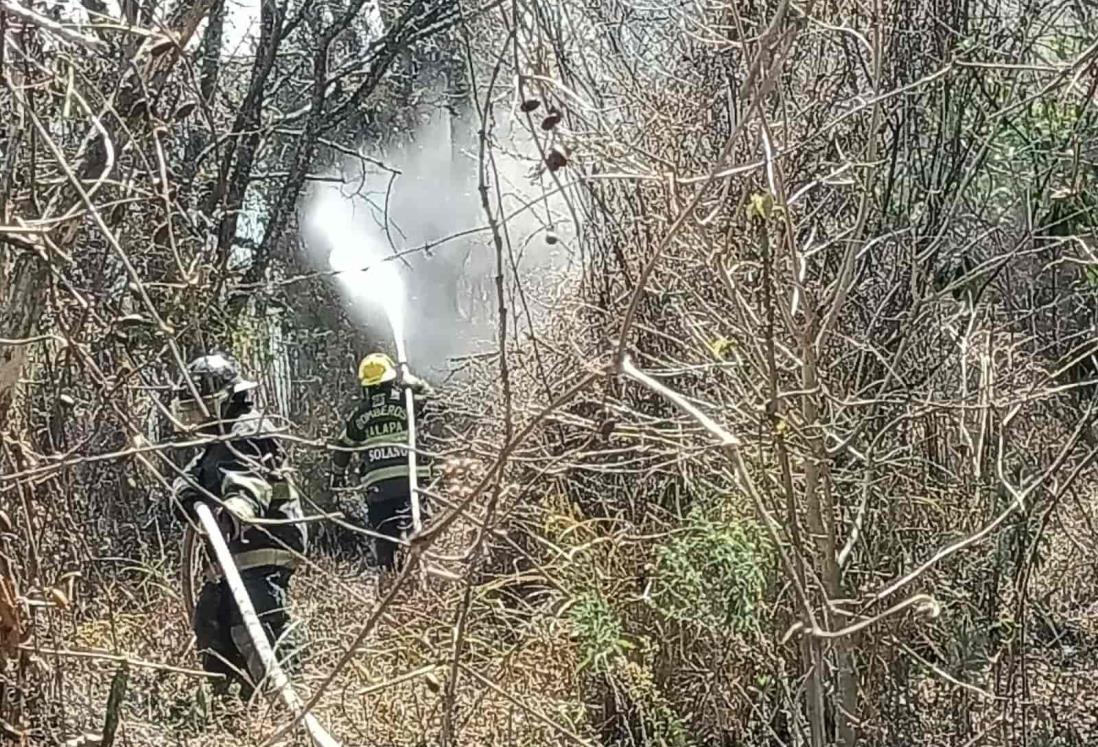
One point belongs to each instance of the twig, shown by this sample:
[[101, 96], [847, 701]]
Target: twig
[[770, 77], [29, 16], [564, 731], [118, 658], [407, 676], [731, 445]]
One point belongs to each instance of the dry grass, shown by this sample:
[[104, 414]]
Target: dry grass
[[331, 602]]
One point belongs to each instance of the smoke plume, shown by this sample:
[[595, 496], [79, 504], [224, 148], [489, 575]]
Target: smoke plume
[[372, 222]]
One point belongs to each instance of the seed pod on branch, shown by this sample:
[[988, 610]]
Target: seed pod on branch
[[529, 105], [555, 160], [185, 110], [552, 119]]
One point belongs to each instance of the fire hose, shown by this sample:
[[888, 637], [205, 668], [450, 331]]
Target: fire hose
[[320, 737], [413, 475]]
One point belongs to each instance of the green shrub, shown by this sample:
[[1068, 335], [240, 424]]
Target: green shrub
[[712, 572], [598, 631]]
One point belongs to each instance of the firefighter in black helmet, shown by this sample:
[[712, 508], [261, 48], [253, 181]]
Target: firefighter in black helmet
[[241, 476], [376, 427]]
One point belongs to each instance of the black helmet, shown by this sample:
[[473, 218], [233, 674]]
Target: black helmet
[[216, 379]]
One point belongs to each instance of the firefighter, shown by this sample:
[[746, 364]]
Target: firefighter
[[241, 475], [378, 424]]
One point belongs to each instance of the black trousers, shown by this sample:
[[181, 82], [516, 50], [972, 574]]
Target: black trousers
[[389, 511], [222, 638], [389, 518]]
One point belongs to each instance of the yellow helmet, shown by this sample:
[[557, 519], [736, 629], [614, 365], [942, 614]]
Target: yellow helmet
[[376, 368]]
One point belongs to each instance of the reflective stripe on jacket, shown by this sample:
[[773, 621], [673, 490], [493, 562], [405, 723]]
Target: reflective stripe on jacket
[[249, 559], [379, 429]]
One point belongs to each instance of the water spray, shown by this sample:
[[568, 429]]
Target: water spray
[[369, 278]]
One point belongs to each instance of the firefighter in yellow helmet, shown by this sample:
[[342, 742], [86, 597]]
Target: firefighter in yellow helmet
[[376, 428]]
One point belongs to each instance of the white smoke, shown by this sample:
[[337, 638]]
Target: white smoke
[[367, 280], [369, 223]]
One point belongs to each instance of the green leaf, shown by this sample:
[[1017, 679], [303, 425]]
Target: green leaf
[[719, 347], [762, 205]]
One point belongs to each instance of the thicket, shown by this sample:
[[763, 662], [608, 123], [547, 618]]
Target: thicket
[[801, 454]]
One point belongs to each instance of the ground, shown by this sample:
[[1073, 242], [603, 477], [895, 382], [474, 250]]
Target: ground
[[332, 601]]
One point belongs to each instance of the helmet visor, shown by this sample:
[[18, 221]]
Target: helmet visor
[[188, 413]]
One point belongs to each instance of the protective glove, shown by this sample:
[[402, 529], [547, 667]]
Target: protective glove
[[230, 526], [231, 517], [420, 388]]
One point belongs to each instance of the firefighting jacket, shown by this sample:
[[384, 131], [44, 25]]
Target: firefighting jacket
[[378, 427], [244, 471]]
